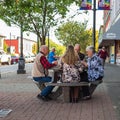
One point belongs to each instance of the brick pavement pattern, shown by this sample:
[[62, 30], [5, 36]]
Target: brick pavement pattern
[[18, 92]]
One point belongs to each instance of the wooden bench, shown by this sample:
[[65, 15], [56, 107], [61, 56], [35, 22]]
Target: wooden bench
[[66, 87]]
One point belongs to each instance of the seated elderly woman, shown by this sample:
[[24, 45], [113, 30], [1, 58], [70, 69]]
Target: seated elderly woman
[[95, 68], [94, 65]]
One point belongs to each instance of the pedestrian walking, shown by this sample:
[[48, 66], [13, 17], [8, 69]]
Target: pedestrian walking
[[103, 54]]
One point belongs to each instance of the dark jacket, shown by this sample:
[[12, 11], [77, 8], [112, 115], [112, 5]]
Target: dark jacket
[[81, 56]]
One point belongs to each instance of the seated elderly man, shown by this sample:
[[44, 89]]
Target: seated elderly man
[[78, 50], [40, 72]]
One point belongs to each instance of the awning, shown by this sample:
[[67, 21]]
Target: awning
[[112, 34]]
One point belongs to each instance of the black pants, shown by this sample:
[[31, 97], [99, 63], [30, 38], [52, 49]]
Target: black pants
[[85, 89]]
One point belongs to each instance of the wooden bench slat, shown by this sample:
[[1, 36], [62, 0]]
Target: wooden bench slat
[[66, 87], [68, 84]]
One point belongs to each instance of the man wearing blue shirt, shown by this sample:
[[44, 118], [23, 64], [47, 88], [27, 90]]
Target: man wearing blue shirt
[[52, 56]]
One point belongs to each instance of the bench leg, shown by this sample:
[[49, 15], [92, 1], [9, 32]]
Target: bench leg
[[92, 88], [66, 94], [41, 86], [55, 94]]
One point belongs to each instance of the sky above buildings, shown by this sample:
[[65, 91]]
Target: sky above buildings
[[15, 31]]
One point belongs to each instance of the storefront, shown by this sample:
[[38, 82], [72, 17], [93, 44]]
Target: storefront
[[111, 40]]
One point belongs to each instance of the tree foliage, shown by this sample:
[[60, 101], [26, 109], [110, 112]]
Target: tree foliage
[[34, 48], [73, 32], [5, 47], [35, 15]]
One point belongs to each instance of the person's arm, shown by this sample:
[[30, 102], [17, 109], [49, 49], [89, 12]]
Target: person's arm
[[45, 63], [54, 56], [99, 53], [84, 63]]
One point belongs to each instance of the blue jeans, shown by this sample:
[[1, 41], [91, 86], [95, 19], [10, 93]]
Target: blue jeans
[[47, 89]]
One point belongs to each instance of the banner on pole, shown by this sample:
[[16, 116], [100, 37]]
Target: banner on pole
[[86, 5], [103, 4]]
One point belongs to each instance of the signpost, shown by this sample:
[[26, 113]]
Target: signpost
[[102, 5], [94, 23]]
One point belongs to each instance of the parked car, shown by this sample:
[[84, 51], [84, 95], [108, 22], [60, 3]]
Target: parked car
[[32, 56], [5, 58], [28, 58], [14, 59]]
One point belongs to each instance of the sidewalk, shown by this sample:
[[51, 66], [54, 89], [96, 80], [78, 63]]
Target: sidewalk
[[18, 92]]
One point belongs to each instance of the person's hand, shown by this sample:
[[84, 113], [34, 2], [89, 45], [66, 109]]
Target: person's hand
[[84, 63], [57, 57], [55, 62]]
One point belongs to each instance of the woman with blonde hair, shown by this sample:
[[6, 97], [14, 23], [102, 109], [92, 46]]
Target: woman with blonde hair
[[71, 68]]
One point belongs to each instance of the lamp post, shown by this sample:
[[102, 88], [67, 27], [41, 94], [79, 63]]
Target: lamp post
[[10, 42], [48, 40], [21, 63], [94, 23], [38, 45]]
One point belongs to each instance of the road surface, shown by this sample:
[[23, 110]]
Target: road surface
[[13, 68]]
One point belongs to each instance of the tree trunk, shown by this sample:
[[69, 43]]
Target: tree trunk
[[42, 40]]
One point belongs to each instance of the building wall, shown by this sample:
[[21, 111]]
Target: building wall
[[111, 16], [12, 43], [16, 44], [115, 10], [106, 20], [27, 45], [1, 42], [100, 33]]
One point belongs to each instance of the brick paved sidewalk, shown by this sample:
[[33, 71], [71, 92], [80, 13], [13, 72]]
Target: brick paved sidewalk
[[18, 93]]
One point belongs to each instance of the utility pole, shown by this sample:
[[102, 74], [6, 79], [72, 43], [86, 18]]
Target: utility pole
[[94, 23], [10, 42]]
